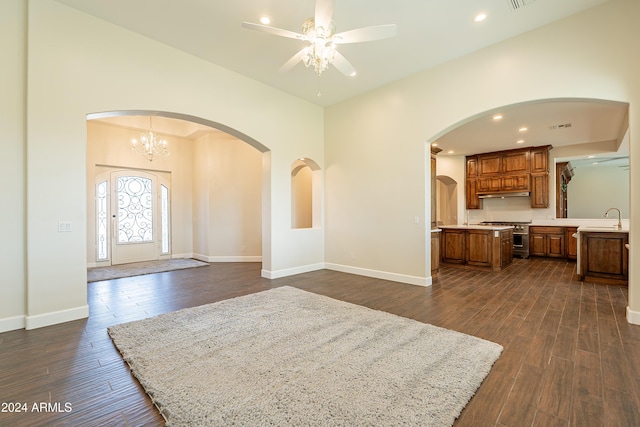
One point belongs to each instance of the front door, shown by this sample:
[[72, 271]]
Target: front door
[[132, 217]]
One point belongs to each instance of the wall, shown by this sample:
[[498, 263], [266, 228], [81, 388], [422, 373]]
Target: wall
[[375, 144], [228, 199], [596, 182], [12, 163], [79, 65]]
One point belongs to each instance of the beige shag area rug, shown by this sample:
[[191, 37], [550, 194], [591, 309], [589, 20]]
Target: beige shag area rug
[[287, 357], [140, 268]]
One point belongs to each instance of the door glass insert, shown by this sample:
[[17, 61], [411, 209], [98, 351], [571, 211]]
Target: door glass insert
[[135, 209]]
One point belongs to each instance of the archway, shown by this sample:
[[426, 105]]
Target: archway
[[195, 167]]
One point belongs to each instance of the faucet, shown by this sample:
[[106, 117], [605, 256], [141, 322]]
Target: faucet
[[606, 215]]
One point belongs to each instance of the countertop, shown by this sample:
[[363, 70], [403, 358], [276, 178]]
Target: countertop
[[477, 227], [614, 229]]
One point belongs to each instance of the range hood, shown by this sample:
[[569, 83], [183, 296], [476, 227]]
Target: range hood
[[502, 195]]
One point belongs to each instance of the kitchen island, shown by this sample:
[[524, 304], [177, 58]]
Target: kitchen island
[[484, 247], [603, 255]]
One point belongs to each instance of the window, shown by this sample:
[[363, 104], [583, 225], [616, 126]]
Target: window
[[102, 223], [164, 206]]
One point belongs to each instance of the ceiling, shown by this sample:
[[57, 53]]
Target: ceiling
[[575, 128], [430, 32]]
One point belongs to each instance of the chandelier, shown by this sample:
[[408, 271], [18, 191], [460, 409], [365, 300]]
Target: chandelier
[[151, 145], [322, 48]]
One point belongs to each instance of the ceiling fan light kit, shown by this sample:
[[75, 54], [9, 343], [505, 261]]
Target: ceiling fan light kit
[[322, 48], [320, 34]]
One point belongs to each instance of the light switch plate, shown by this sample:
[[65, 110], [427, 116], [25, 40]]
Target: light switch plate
[[64, 227]]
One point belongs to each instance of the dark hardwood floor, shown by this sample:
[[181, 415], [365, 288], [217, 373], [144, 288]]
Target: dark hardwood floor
[[570, 358]]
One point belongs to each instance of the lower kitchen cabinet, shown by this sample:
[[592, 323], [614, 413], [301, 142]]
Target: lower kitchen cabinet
[[506, 249], [604, 257], [435, 251], [452, 246], [547, 241], [477, 247], [571, 242], [479, 250]]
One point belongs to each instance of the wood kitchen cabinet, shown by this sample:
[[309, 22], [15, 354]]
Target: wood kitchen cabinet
[[472, 167], [539, 190], [547, 241], [509, 183], [435, 251], [506, 248], [509, 171], [604, 257], [571, 242], [540, 177], [516, 162], [489, 164], [540, 159], [471, 184], [515, 183], [479, 250], [482, 247], [452, 246]]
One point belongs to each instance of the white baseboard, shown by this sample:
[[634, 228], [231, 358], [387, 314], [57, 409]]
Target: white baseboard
[[385, 275], [53, 318], [633, 317], [12, 323], [179, 256], [205, 258], [291, 271]]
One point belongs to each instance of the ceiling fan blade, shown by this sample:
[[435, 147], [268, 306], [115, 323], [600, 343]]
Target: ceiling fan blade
[[324, 12], [366, 34], [343, 65], [273, 30], [292, 61]]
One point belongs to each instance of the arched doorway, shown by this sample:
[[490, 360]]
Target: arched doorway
[[217, 176]]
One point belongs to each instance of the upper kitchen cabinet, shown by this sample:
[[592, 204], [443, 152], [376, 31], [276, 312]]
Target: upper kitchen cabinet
[[511, 171], [489, 164], [540, 159], [471, 183], [516, 162]]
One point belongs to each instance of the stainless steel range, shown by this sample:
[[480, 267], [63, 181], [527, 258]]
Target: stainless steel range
[[520, 236]]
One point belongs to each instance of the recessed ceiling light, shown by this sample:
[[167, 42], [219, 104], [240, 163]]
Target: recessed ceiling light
[[265, 20], [520, 141], [353, 74], [435, 144], [480, 17], [523, 129], [497, 117], [450, 152], [594, 163]]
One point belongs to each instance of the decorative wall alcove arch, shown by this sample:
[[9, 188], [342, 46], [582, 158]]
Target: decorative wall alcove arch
[[305, 194]]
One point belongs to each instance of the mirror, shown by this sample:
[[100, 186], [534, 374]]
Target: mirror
[[586, 188]]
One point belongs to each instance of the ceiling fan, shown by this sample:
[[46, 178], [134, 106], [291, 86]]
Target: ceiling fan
[[320, 34]]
